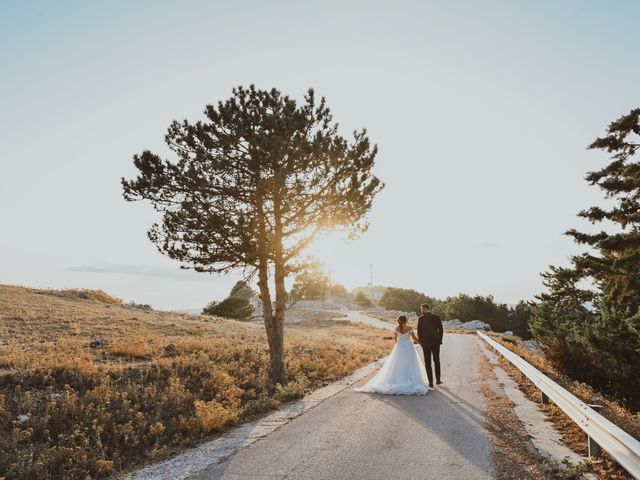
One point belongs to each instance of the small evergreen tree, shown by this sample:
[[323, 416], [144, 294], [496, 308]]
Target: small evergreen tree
[[236, 305], [519, 318], [231, 307], [242, 290]]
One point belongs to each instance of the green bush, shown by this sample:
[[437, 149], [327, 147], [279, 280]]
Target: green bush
[[363, 300], [231, 307]]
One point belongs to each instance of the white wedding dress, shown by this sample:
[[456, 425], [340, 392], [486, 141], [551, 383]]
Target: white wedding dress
[[403, 372]]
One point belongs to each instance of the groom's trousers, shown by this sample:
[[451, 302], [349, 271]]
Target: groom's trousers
[[432, 351]]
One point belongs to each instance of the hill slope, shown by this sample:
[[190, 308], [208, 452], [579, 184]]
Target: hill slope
[[162, 381]]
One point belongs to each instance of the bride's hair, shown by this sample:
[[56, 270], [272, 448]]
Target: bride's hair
[[402, 319]]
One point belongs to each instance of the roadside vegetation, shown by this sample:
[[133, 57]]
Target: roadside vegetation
[[313, 284], [573, 436], [465, 308], [90, 386]]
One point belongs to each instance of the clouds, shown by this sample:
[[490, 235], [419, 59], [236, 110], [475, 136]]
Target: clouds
[[144, 271]]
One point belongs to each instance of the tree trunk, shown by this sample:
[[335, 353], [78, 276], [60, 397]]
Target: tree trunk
[[276, 348], [277, 364], [273, 328], [272, 324], [278, 324]]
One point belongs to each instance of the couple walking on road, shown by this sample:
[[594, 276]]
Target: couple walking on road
[[403, 372]]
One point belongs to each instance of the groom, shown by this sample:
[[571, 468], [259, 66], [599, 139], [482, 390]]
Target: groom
[[430, 336]]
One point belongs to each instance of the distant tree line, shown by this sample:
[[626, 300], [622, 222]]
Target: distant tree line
[[464, 307], [313, 284], [593, 334]]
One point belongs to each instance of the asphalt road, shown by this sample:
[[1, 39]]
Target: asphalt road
[[367, 436], [354, 316]]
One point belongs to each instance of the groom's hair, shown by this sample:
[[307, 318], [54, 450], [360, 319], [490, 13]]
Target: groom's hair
[[425, 306]]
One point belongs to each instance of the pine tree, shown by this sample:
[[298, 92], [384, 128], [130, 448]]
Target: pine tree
[[519, 318], [250, 189], [595, 334], [563, 310], [615, 265], [241, 289]]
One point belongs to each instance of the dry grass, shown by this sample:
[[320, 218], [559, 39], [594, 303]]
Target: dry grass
[[297, 315], [516, 458], [572, 435], [163, 382]]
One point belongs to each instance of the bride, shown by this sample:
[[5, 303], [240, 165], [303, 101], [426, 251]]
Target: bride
[[403, 372]]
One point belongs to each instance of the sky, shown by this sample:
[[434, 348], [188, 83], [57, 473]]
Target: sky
[[482, 112]]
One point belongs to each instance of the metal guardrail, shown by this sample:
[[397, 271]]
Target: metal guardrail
[[602, 433]]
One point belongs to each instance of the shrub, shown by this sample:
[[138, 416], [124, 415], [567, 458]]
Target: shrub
[[363, 300], [213, 415], [231, 307], [71, 412], [293, 390], [139, 306], [94, 423]]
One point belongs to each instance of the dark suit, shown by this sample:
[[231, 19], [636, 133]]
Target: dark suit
[[430, 334]]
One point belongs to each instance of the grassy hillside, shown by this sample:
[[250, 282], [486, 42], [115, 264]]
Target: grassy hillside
[[163, 381]]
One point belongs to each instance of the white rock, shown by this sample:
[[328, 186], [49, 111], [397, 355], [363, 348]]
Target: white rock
[[508, 333], [456, 324], [532, 346], [475, 325], [24, 418]]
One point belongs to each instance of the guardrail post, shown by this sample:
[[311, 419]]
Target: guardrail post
[[594, 449], [544, 399]]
